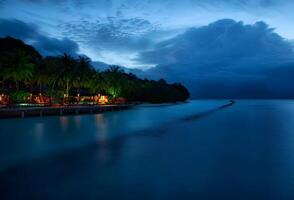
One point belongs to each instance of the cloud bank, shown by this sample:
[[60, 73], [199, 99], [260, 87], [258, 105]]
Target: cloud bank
[[227, 59], [31, 34]]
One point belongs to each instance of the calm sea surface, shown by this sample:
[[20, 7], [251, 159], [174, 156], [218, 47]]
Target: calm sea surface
[[196, 150]]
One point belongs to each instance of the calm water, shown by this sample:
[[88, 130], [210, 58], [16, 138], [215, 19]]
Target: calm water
[[195, 150]]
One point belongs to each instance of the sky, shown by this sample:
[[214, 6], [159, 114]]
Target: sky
[[236, 45]]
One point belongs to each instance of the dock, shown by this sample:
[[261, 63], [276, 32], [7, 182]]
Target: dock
[[23, 112]]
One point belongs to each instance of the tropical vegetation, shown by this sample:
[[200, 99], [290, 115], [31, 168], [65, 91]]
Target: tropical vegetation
[[23, 71]]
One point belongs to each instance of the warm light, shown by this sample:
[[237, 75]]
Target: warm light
[[78, 95], [103, 99]]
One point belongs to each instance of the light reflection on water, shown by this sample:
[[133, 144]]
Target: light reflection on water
[[185, 151], [77, 120], [64, 123], [102, 137]]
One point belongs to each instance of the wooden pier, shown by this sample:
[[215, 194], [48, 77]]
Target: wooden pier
[[22, 112]]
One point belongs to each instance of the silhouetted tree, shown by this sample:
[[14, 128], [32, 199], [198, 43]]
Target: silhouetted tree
[[19, 69]]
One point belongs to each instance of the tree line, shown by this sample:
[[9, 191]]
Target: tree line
[[23, 69]]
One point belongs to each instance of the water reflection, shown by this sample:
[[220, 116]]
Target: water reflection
[[64, 123], [39, 132], [188, 151], [77, 120], [101, 128], [102, 138]]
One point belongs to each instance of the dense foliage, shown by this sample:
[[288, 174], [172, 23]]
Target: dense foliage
[[23, 69]]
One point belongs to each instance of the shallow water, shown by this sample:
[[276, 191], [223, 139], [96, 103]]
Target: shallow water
[[195, 150]]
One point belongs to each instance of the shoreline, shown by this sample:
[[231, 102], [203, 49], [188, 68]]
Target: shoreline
[[24, 112]]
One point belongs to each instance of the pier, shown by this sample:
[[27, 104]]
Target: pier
[[23, 112]]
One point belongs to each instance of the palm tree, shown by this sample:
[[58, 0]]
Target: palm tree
[[81, 72], [20, 69], [50, 71], [114, 80], [41, 76], [1, 76], [63, 75], [68, 65], [115, 69], [95, 83]]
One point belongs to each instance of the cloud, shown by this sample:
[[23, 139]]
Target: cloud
[[226, 59], [31, 34], [120, 29], [225, 40], [53, 46], [17, 29], [115, 33], [140, 3], [115, 40]]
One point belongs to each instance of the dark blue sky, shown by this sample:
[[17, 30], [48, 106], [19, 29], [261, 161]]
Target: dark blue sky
[[203, 43]]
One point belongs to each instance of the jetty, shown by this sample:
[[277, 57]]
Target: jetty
[[22, 112]]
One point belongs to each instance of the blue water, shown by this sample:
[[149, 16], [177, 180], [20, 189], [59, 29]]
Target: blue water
[[195, 150]]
